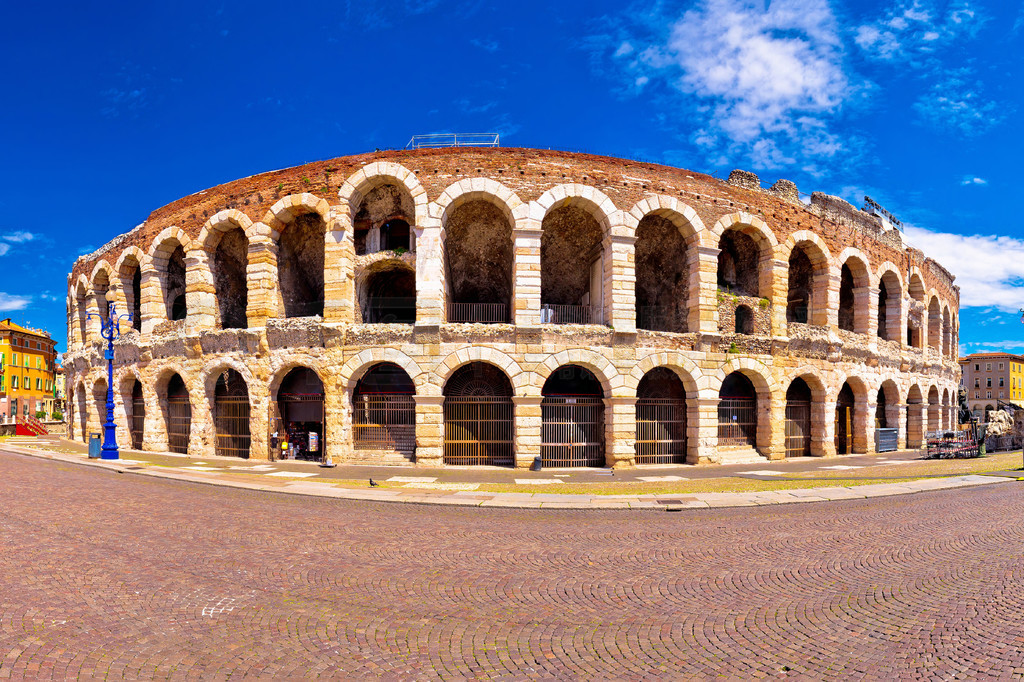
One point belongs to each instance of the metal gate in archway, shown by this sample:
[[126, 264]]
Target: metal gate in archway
[[179, 424], [572, 431], [478, 430], [138, 423], [231, 420], [737, 422], [660, 431], [798, 428]]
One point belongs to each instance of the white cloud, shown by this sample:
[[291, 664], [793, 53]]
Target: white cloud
[[956, 102], [18, 237], [989, 269], [9, 302], [4, 248], [973, 180], [912, 30]]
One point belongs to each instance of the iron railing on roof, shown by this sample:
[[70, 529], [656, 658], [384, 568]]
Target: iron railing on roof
[[436, 140]]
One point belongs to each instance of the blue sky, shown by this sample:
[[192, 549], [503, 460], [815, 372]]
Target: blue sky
[[116, 109]]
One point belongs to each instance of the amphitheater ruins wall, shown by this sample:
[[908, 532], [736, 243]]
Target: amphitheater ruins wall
[[495, 305]]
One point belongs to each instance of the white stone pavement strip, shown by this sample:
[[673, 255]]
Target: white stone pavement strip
[[443, 486], [290, 474], [762, 472], [412, 479], [256, 467], [535, 481], [199, 468], [656, 479], [842, 467]]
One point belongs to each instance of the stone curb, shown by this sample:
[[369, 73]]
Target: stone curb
[[666, 501]]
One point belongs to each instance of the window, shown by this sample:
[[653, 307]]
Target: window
[[977, 367], [14, 359], [977, 394], [1001, 394], [1000, 381], [1, 383], [25, 358], [988, 382], [39, 363], [977, 382], [988, 366], [39, 384], [1000, 365], [989, 393], [27, 385], [14, 383]]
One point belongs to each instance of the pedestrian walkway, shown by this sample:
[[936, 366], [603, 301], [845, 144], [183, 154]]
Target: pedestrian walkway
[[462, 487]]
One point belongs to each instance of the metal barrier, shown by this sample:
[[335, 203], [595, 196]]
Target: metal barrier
[[435, 140], [572, 431], [737, 422], [384, 422], [660, 431], [551, 313], [798, 428], [179, 424], [485, 313], [138, 422], [391, 310], [231, 421], [886, 440], [479, 430]]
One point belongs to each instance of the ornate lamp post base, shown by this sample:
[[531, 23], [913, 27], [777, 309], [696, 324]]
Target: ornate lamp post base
[[110, 329]]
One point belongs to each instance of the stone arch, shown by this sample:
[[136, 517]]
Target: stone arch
[[300, 248], [807, 292], [170, 270], [858, 416], [222, 258], [736, 230], [222, 222], [807, 430], [470, 189], [129, 268], [854, 297], [452, 362], [124, 381], [889, 306], [81, 298], [887, 414], [213, 368], [591, 199], [691, 227], [934, 312], [355, 187], [278, 217], [754, 370], [612, 383], [686, 369], [356, 366], [282, 366], [947, 331], [747, 222], [765, 389]]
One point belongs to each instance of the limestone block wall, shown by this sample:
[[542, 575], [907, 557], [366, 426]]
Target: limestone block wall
[[526, 186]]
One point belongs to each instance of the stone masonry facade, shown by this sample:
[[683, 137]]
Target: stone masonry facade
[[818, 291]]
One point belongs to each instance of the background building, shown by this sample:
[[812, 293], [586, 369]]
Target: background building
[[991, 377], [27, 383]]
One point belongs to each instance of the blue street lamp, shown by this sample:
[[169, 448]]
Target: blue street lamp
[[110, 329]]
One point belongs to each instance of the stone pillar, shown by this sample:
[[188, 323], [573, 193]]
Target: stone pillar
[[155, 432], [124, 439], [152, 306], [200, 292], [620, 431], [202, 435], [832, 296], [866, 422], [702, 429], [916, 416], [261, 277], [430, 280], [703, 313], [430, 430], [902, 424], [339, 286], [526, 274], [259, 423], [527, 429], [780, 297], [621, 306], [823, 433], [777, 410]]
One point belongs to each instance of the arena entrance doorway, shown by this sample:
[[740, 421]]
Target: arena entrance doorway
[[844, 420], [179, 416], [737, 412], [231, 415], [479, 422], [798, 419], [384, 411], [298, 430], [660, 418], [138, 421], [572, 419]]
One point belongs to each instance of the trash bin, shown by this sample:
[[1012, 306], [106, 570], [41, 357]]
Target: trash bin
[[94, 446]]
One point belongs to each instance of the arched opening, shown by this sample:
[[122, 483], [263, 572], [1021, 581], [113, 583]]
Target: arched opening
[[947, 334], [847, 300], [744, 320], [230, 260], [572, 419], [934, 324], [173, 280], [915, 421], [571, 267], [661, 418], [737, 412], [478, 263], [479, 424], [390, 295], [137, 418], [738, 264], [100, 288], [231, 415], [384, 411], [300, 266], [988, 409], [382, 218], [178, 415], [801, 283], [890, 298], [945, 410], [844, 420], [662, 275], [99, 399], [798, 419], [881, 413], [299, 426], [83, 413], [934, 419]]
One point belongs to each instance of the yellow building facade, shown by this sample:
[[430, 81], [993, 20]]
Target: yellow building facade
[[27, 358], [991, 377]]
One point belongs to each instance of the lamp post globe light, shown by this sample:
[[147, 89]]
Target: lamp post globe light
[[110, 329]]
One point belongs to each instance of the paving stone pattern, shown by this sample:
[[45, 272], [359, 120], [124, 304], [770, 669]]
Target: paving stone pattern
[[119, 576]]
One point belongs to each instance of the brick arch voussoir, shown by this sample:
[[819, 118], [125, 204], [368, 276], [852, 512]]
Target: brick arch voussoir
[[358, 365], [886, 268], [817, 382], [102, 267], [612, 383], [487, 189], [218, 224], [212, 370], [754, 370], [373, 175], [820, 255], [157, 252], [163, 376], [690, 226], [452, 362], [686, 369], [135, 252], [864, 265], [292, 206], [888, 384], [591, 199], [739, 220]]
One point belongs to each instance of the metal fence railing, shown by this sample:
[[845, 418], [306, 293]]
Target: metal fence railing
[[798, 428], [737, 422], [231, 422], [660, 431], [479, 430], [553, 313], [138, 422], [179, 424], [391, 310], [435, 140], [486, 313], [572, 431], [384, 422]]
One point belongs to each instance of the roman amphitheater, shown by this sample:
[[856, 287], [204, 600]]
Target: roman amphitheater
[[490, 306]]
